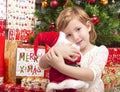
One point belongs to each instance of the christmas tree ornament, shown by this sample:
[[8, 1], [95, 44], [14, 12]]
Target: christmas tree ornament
[[59, 81], [54, 3], [91, 1], [44, 4], [116, 33], [95, 19], [104, 2], [101, 8], [52, 26]]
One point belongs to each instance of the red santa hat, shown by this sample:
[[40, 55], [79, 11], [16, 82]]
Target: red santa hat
[[59, 81]]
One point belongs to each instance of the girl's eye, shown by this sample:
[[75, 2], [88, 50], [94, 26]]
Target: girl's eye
[[68, 35], [78, 29]]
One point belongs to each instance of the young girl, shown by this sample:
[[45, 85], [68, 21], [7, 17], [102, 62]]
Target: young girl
[[79, 29]]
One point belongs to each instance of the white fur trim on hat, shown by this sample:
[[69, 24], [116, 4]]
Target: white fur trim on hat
[[62, 40], [69, 83]]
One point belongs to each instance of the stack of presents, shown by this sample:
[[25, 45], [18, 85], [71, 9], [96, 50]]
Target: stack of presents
[[19, 70], [22, 71], [111, 73], [16, 26]]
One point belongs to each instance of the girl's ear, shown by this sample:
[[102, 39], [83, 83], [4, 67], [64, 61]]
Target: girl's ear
[[88, 24]]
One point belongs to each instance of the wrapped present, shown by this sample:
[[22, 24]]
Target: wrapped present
[[20, 14], [118, 56], [6, 87], [26, 63], [22, 35], [114, 57], [111, 77], [34, 83], [10, 60], [27, 67], [2, 87], [3, 9], [19, 89], [2, 46], [12, 87]]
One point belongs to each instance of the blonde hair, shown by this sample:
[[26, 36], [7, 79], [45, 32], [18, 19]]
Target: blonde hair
[[70, 13]]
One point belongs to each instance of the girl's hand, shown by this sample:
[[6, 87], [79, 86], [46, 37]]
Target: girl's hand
[[68, 51], [54, 58]]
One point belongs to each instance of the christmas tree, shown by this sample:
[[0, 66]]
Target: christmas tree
[[104, 13]]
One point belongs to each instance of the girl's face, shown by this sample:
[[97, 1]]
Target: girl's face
[[78, 33]]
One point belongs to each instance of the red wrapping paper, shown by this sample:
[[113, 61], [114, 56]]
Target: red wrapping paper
[[2, 44], [114, 57]]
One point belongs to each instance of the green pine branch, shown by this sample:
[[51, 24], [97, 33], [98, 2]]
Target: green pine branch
[[107, 14]]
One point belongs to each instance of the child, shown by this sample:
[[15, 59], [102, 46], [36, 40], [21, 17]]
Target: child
[[58, 80], [79, 29]]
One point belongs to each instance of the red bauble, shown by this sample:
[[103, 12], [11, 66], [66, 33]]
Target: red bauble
[[52, 26], [95, 19], [54, 3], [116, 33], [91, 1]]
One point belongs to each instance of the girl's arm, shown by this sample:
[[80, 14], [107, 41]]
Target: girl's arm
[[55, 59], [86, 74], [66, 53]]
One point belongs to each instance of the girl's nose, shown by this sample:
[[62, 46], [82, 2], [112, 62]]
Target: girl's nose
[[75, 37]]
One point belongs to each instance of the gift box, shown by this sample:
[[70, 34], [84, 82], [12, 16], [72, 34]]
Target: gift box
[[2, 9], [34, 83], [111, 72], [2, 47], [111, 78], [10, 60], [22, 35], [27, 64], [20, 14], [11, 87], [114, 57]]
